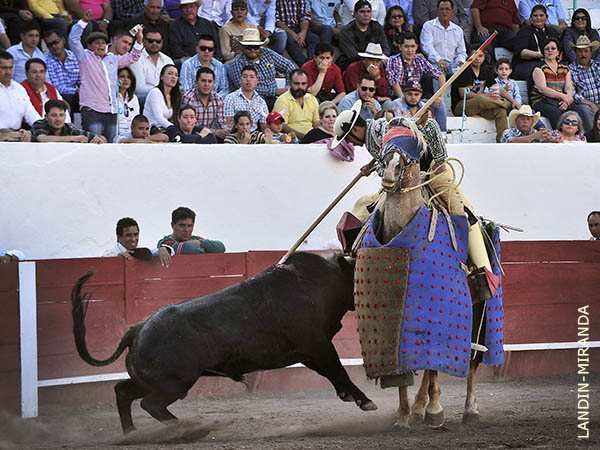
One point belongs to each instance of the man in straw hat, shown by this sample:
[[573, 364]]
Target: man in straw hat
[[521, 129], [586, 78], [266, 62], [262, 15], [371, 62]]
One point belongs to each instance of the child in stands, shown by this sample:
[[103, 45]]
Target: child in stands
[[503, 70]]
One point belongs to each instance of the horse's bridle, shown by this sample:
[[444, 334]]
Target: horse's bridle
[[406, 163]]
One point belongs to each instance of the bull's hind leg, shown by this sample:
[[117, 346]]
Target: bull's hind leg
[[471, 413], [127, 391], [156, 404], [327, 363], [434, 414], [417, 411]]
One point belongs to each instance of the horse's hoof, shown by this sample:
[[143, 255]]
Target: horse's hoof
[[470, 417], [401, 425], [346, 397], [434, 420], [416, 416], [369, 406]]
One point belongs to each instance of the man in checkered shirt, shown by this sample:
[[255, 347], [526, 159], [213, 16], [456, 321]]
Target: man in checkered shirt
[[586, 78]]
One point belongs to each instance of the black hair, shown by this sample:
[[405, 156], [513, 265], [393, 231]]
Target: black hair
[[121, 32], [182, 213], [540, 8], [588, 23], [131, 90], [367, 76], [323, 47], [126, 222], [595, 129], [28, 26], [249, 67], [206, 37], [297, 72], [202, 70], [442, 1], [55, 103], [185, 108], [387, 25], [593, 212], [408, 36], [31, 61], [140, 118], [237, 117], [6, 55], [503, 61], [175, 93]]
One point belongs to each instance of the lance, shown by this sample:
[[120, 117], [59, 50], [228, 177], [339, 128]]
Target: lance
[[419, 113]]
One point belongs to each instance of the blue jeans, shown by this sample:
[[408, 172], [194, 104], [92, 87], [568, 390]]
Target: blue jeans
[[99, 123], [439, 114], [277, 41], [294, 49], [552, 113]]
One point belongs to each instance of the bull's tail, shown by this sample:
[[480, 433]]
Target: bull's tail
[[79, 304]]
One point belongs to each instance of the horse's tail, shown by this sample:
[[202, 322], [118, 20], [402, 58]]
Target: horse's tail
[[79, 304]]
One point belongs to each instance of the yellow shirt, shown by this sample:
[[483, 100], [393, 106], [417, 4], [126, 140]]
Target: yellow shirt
[[45, 8], [299, 118]]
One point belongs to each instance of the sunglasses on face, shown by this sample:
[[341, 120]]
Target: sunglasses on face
[[571, 122], [397, 16], [551, 48], [204, 48], [154, 41], [578, 18], [53, 43], [366, 88], [252, 47]]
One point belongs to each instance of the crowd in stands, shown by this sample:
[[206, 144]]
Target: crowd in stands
[[195, 71]]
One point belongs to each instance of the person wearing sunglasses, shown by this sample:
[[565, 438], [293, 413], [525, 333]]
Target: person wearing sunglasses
[[365, 92], [184, 32], [556, 13], [205, 57], [232, 32], [581, 25], [62, 68], [569, 129]]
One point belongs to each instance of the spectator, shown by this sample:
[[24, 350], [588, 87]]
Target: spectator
[[205, 58], [139, 133], [147, 68], [275, 123], [442, 41], [528, 44], [129, 105], [407, 64], [98, 92], [4, 40], [215, 11], [483, 95], [128, 9], [152, 18], [371, 62], [503, 70], [521, 129], [553, 91], [62, 69], [327, 116], [357, 34], [162, 103], [16, 106], [593, 135], [348, 11], [185, 32], [100, 19], [266, 62], [128, 236], [15, 14], [425, 10], [570, 128], [232, 32], [293, 16], [186, 130], [324, 76], [122, 42], [554, 8], [208, 105], [247, 99], [326, 13], [9, 256], [364, 92], [407, 9], [52, 128], [581, 25], [38, 90], [26, 49], [593, 220], [182, 241], [262, 15], [51, 14], [394, 28], [299, 108], [586, 78], [412, 101], [495, 15], [242, 133]]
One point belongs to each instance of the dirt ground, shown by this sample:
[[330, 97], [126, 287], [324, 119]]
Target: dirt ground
[[533, 413]]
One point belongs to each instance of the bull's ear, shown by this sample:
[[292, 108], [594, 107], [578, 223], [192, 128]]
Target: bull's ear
[[346, 262]]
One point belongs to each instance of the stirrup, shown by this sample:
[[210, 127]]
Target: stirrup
[[482, 284]]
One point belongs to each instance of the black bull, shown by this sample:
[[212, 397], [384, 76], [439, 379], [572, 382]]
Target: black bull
[[285, 315]]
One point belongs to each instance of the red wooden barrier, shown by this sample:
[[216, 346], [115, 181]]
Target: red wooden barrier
[[10, 359]]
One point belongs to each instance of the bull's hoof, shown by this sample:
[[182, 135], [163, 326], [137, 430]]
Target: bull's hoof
[[368, 406], [434, 420], [345, 397], [401, 424], [470, 417]]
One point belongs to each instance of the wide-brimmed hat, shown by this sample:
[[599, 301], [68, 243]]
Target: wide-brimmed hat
[[96, 35], [373, 51], [251, 36], [584, 42], [524, 110], [344, 123], [187, 2]]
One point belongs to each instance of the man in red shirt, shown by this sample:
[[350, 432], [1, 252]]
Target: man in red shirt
[[495, 15], [324, 77], [371, 61]]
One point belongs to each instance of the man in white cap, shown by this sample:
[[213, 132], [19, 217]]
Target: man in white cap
[[521, 122], [586, 78], [371, 62]]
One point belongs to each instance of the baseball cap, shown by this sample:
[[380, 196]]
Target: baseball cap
[[412, 85], [274, 117], [362, 4]]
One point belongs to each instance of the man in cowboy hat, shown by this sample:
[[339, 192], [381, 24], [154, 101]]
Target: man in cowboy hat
[[266, 62], [586, 78], [521, 122], [371, 62], [184, 32]]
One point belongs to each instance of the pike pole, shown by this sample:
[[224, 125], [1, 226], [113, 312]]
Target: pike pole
[[419, 113]]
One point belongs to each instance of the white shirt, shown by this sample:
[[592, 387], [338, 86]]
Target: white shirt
[[218, 11], [147, 75], [438, 42], [155, 109], [377, 11], [127, 111], [16, 106]]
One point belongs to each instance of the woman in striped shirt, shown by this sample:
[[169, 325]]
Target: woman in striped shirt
[[242, 131]]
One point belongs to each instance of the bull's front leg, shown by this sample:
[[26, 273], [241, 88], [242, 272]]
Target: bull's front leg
[[471, 413], [327, 363]]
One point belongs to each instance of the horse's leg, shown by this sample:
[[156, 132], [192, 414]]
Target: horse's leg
[[403, 409], [434, 414], [471, 413], [417, 411]]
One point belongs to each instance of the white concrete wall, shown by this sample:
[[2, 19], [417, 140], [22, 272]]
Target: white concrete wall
[[64, 200]]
